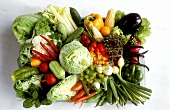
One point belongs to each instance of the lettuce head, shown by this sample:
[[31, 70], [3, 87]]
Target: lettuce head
[[74, 57]]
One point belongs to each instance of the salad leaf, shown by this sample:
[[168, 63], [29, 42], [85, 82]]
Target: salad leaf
[[119, 15], [143, 31], [74, 57], [24, 85], [23, 25], [43, 26], [24, 55]]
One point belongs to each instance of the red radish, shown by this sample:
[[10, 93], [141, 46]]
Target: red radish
[[135, 42], [44, 67], [50, 79]]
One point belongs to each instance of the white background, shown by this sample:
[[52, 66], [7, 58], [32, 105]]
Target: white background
[[158, 78]]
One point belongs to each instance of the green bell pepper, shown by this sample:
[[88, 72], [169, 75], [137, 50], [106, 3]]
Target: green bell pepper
[[132, 73]]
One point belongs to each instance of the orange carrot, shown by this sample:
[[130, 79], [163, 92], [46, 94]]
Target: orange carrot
[[82, 102], [78, 86], [81, 93], [83, 98]]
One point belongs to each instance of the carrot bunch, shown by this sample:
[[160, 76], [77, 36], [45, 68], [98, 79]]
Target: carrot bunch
[[81, 95]]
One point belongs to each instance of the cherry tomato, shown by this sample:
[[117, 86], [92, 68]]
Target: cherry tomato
[[44, 67], [94, 44], [96, 50], [50, 79], [83, 42], [87, 41], [101, 48], [84, 37], [91, 49]]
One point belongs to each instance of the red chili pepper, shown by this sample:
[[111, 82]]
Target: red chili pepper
[[51, 53], [42, 55], [50, 43], [39, 58]]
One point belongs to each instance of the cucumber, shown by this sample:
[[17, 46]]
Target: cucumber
[[76, 17], [75, 35], [57, 69], [62, 90]]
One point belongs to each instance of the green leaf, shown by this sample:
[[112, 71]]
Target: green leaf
[[37, 103], [34, 87], [28, 103], [35, 95], [46, 102], [143, 31]]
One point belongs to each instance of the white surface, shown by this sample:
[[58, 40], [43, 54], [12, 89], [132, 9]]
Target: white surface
[[157, 58]]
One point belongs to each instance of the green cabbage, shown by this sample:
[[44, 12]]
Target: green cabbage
[[23, 26], [74, 57]]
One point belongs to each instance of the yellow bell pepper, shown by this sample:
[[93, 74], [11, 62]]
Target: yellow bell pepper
[[95, 19]]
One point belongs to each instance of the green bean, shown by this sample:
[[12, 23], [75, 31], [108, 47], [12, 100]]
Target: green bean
[[109, 94], [85, 88], [100, 101], [104, 102], [113, 88], [94, 98]]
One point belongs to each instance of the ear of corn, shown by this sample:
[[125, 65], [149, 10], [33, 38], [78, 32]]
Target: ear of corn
[[110, 18], [96, 34]]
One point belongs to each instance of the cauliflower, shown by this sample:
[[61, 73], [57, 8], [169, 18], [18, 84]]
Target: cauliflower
[[36, 43]]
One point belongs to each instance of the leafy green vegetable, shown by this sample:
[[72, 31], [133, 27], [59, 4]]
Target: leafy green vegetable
[[62, 91], [24, 55], [56, 14], [23, 25], [74, 57], [24, 85], [56, 38], [143, 31], [43, 26], [118, 31], [119, 15]]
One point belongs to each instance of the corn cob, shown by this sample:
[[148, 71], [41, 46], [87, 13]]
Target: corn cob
[[110, 18], [96, 34]]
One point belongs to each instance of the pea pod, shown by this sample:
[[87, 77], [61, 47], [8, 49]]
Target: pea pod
[[24, 73], [94, 98]]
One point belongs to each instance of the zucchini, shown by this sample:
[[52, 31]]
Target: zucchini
[[76, 17], [75, 35], [62, 90], [57, 69]]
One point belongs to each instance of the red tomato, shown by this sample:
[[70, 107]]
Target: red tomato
[[84, 37], [50, 79], [87, 41], [94, 44], [44, 67], [91, 49], [101, 48], [96, 50]]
